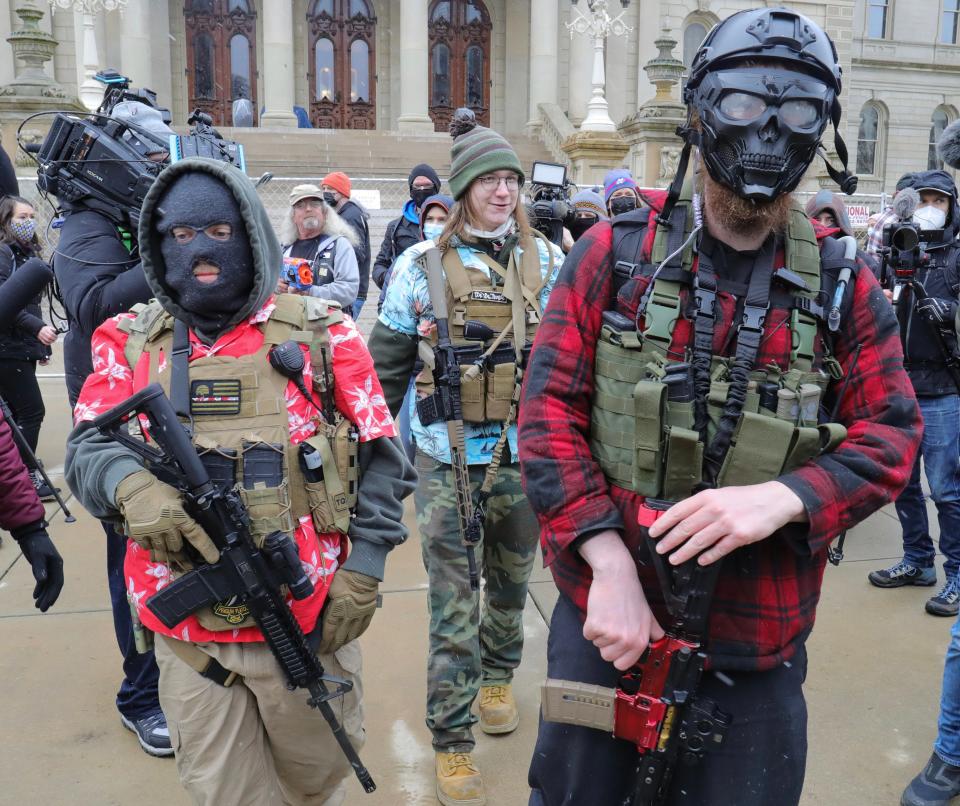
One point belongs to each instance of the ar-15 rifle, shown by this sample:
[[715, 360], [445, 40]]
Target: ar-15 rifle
[[445, 405], [655, 705], [253, 576]]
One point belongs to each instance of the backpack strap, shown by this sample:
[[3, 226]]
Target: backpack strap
[[628, 233]]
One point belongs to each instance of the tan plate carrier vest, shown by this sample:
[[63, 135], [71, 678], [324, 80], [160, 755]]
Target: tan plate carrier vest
[[262, 422], [646, 444]]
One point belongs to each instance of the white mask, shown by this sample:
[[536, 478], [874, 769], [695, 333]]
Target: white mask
[[929, 218], [432, 231]]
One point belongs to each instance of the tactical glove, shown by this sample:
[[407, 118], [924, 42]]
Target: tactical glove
[[155, 520], [45, 561], [350, 605], [939, 311]]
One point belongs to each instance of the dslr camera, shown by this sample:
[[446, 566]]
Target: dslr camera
[[102, 164], [549, 209], [900, 255]]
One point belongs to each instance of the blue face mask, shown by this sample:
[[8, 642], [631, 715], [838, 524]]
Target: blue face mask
[[24, 229], [432, 231]]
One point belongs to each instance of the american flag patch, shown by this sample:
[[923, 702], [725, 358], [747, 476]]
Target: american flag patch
[[221, 396]]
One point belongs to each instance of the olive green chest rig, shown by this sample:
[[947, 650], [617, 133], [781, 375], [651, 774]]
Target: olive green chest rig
[[667, 421], [236, 407]]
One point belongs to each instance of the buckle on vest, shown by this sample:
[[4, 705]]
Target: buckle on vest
[[754, 317], [624, 269], [706, 301], [809, 306]]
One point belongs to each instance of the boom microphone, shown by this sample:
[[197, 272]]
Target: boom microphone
[[22, 287], [905, 203], [948, 146]]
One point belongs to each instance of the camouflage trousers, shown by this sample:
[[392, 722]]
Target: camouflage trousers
[[472, 646]]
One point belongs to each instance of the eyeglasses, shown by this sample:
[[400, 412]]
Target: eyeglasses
[[491, 182], [184, 233], [308, 204]]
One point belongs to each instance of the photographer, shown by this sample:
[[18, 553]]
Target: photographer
[[921, 312], [97, 266]]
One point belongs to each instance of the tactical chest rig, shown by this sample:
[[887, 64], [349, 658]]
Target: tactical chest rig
[[236, 406], [666, 421], [322, 261]]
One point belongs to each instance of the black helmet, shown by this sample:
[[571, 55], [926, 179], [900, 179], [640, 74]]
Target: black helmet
[[767, 33], [764, 85]]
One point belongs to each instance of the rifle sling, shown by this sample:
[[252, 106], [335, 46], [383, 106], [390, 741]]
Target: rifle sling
[[200, 661]]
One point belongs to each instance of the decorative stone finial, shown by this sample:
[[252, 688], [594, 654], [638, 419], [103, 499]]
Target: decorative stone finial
[[664, 71]]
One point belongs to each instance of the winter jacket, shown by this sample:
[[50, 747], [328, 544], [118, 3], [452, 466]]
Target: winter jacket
[[18, 340], [95, 465], [356, 217], [401, 234], [19, 504], [98, 278]]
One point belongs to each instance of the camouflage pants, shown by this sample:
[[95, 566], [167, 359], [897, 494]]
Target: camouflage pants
[[469, 648]]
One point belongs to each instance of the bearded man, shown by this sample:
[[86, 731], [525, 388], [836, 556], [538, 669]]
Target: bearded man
[[713, 379]]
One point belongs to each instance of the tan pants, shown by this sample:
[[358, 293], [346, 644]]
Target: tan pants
[[256, 742]]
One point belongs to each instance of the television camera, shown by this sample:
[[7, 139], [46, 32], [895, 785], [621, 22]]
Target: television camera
[[550, 209]]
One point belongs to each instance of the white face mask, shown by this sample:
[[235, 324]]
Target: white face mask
[[432, 231], [930, 217]]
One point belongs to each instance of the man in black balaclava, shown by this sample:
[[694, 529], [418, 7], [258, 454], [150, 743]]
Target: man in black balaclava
[[212, 261], [404, 232]]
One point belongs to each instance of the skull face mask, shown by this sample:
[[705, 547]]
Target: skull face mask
[[760, 127], [206, 251]]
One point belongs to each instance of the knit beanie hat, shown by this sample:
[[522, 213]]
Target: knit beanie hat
[[424, 170], [615, 180], [476, 151], [339, 181], [589, 201]]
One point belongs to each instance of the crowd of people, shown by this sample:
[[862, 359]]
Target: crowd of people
[[683, 403]]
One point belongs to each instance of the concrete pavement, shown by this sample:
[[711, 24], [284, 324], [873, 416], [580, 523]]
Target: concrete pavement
[[873, 684]]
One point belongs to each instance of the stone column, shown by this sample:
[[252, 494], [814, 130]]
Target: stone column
[[414, 67], [135, 61], [91, 91], [544, 21], [581, 67], [278, 80]]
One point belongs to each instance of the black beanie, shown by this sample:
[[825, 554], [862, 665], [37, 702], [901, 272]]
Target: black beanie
[[424, 170]]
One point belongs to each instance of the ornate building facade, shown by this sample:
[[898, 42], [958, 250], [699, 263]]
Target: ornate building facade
[[405, 65]]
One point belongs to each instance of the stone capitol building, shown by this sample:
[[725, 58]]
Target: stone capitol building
[[405, 65]]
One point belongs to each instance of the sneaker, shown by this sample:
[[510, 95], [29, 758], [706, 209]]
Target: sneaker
[[152, 733], [498, 709], [936, 785], [43, 489], [947, 602], [896, 576], [458, 780]]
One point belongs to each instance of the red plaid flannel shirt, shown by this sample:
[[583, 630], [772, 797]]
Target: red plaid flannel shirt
[[766, 597]]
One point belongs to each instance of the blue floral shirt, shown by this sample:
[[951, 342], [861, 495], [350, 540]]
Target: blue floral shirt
[[407, 309]]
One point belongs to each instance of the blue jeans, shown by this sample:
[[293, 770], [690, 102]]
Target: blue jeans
[[947, 745], [357, 307], [403, 421], [940, 452], [137, 696]]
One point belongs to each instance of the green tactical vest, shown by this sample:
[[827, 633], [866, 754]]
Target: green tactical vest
[[241, 429], [646, 443]]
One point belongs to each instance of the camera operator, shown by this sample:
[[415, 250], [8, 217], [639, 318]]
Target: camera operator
[[549, 208], [98, 269], [921, 256]]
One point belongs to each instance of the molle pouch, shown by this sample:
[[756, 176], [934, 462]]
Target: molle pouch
[[683, 464], [501, 381], [264, 490], [810, 442], [761, 445], [346, 449], [649, 410], [680, 414], [472, 385], [221, 464]]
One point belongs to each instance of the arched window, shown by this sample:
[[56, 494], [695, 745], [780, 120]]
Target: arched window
[[693, 35], [938, 122], [341, 68], [221, 57], [459, 68], [868, 140]]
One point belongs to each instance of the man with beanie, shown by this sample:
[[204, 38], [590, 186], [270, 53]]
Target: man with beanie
[[497, 271], [404, 232], [212, 261], [938, 220], [621, 194], [336, 192]]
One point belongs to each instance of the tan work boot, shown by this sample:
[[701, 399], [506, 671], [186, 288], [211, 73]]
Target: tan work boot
[[458, 781], [498, 709]]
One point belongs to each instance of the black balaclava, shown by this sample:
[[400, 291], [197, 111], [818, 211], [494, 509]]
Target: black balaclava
[[420, 196], [199, 200]]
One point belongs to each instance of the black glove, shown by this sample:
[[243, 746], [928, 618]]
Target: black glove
[[45, 560], [941, 312]]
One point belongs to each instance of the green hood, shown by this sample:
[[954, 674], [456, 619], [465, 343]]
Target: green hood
[[267, 256]]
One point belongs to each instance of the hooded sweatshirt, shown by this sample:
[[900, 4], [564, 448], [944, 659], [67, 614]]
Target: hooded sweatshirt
[[95, 465]]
